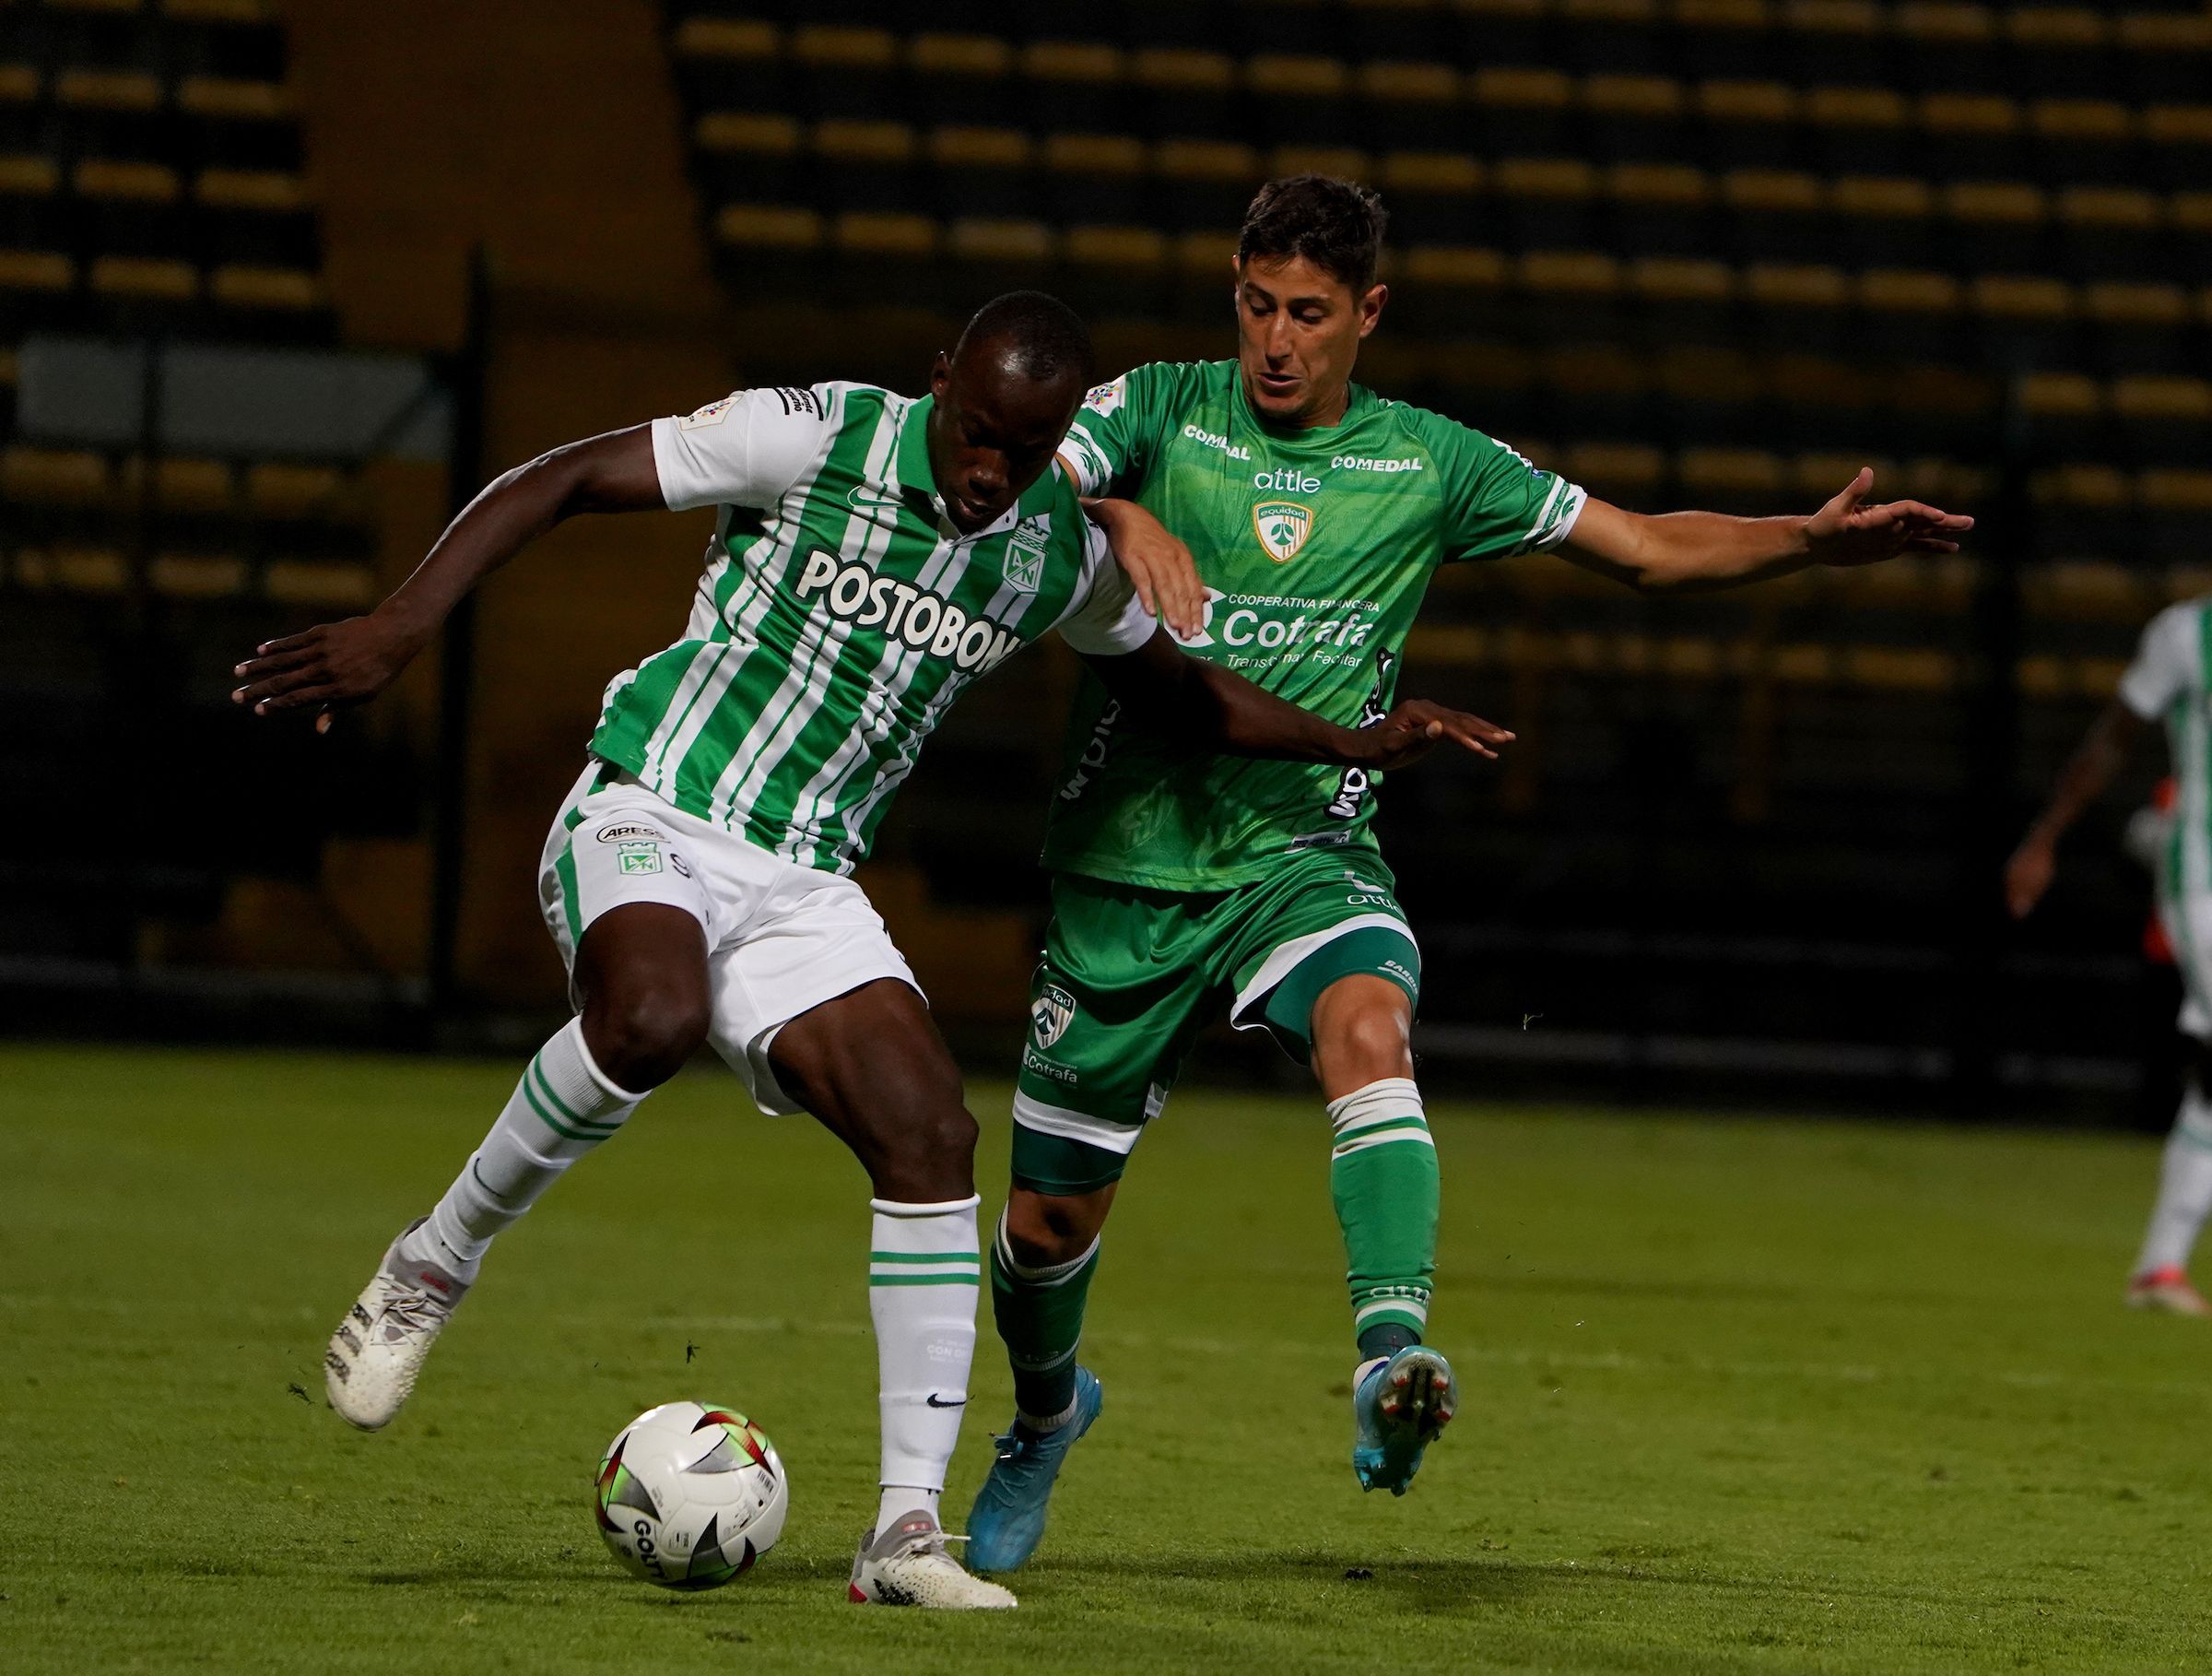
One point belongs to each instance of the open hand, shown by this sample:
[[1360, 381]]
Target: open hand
[[329, 668], [1415, 726], [1159, 564], [1844, 532]]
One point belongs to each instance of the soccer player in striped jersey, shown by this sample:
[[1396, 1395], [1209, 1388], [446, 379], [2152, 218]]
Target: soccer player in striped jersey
[[1318, 512], [2171, 680], [873, 556]]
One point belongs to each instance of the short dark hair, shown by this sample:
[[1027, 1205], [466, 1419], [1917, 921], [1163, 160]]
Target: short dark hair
[[1048, 338], [1335, 225]]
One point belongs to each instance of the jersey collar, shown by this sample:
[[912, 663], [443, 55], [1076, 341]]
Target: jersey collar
[[910, 465]]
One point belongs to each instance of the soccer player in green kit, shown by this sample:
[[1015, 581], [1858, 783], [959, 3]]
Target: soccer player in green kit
[[1316, 511]]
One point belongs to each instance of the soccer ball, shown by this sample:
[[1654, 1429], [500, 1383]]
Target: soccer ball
[[688, 1495]]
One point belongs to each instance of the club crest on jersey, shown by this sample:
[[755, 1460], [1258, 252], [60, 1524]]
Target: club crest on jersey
[[1051, 1014], [1026, 547], [1282, 526]]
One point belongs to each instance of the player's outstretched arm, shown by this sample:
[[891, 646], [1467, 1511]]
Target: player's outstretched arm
[[1216, 709], [1701, 550], [2102, 753], [1157, 563], [340, 664]]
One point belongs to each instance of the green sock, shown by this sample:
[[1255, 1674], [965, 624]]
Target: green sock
[[1382, 1175], [1039, 1316]]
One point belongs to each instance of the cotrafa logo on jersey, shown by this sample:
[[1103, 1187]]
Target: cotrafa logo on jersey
[[1283, 526]]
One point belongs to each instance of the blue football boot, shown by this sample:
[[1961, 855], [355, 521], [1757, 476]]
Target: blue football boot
[[1007, 1521], [1398, 1406]]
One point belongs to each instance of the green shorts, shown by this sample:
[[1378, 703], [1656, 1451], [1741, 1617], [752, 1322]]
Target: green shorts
[[1130, 976]]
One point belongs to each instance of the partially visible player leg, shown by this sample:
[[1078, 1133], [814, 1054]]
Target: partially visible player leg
[[871, 1066], [1383, 1179], [2161, 1275], [1113, 1012], [640, 974]]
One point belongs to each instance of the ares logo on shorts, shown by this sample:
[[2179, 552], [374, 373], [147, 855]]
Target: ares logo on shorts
[[1051, 1013]]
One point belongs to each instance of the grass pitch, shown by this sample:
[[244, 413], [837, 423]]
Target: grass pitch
[[1737, 1396]]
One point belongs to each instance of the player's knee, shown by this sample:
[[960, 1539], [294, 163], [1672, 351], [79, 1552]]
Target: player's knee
[[1363, 1043], [1045, 1230], [928, 1155], [644, 1032]]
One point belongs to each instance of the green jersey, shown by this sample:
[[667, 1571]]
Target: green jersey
[[1316, 547], [840, 615]]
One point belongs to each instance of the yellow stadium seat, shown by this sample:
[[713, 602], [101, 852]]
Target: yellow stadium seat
[[2059, 395], [767, 227], [1908, 292], [758, 134], [19, 84], [1341, 161], [1771, 190], [36, 270], [29, 177], [2138, 302], [2117, 206], [977, 239], [107, 90], [1521, 89], [139, 183], [1412, 84], [1647, 96], [850, 141], [979, 57], [1459, 266], [1758, 102], [1676, 184], [1628, 469], [1439, 173], [2103, 120], [1730, 472], [1094, 154], [234, 101], [1582, 273], [867, 232], [2057, 28], [727, 38], [2162, 396], [1205, 253], [1082, 60], [1832, 17], [958, 147], [196, 575], [1294, 76], [300, 581], [278, 289], [1682, 278], [843, 46], [193, 486], [263, 189], [51, 476], [1186, 69], [150, 279], [1946, 21], [1123, 247], [2178, 125], [2014, 203], [1794, 284], [1855, 107], [2020, 296], [1190, 160], [73, 569], [2165, 32]]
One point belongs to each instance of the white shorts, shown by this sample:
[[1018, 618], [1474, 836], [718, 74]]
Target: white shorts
[[781, 938]]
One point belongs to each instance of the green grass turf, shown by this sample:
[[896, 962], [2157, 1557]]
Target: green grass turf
[[1737, 1396]]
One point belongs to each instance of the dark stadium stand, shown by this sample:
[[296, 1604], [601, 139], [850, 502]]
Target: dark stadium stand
[[1692, 251], [152, 189]]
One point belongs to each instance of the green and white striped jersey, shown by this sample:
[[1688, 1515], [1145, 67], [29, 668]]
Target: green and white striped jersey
[[839, 616]]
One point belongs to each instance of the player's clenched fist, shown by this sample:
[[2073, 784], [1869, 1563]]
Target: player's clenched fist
[[1415, 726], [329, 666]]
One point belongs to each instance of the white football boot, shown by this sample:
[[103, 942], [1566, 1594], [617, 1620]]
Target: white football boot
[[380, 1347], [907, 1566], [2168, 1290]]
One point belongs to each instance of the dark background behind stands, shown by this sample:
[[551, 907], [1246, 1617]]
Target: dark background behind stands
[[1710, 253]]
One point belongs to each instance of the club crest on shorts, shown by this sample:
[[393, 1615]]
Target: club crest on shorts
[[639, 857], [1282, 526], [1051, 1013]]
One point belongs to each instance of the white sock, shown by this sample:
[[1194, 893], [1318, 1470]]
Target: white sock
[[2184, 1188], [924, 1275], [563, 1106]]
